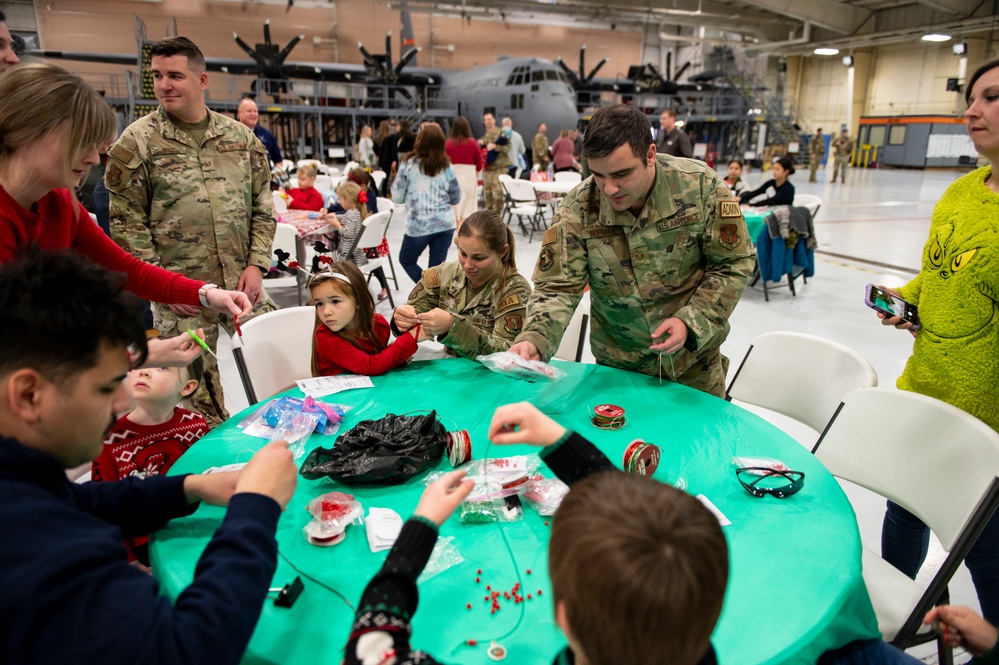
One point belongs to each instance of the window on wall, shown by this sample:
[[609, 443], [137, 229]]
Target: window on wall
[[896, 135], [877, 135]]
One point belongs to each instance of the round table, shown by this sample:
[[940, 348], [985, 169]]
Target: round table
[[555, 187], [795, 586]]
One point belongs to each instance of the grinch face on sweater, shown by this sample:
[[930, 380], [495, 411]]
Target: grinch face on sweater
[[957, 300]]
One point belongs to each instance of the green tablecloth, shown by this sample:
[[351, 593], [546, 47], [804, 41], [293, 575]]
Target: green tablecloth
[[754, 221], [795, 588]]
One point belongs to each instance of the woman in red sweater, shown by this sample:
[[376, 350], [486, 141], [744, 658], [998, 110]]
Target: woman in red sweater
[[562, 152], [466, 159], [53, 127], [350, 337]]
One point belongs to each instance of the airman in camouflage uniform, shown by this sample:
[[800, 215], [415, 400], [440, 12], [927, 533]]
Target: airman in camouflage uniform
[[682, 261], [492, 189], [483, 322], [539, 148], [842, 150], [203, 209], [816, 151]]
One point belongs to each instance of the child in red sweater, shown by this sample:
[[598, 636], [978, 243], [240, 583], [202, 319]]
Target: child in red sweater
[[147, 441], [350, 337], [305, 196]]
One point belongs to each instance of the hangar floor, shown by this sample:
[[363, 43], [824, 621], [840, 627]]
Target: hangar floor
[[871, 229]]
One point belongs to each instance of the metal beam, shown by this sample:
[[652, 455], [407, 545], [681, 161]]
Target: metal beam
[[956, 7], [836, 16]]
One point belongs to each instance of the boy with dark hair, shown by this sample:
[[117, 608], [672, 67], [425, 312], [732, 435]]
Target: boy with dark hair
[[627, 556], [66, 342], [147, 441]]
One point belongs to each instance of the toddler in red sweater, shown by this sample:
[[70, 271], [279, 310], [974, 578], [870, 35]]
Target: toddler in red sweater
[[147, 441], [350, 337], [305, 196]]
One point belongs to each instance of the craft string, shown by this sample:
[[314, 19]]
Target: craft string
[[313, 579]]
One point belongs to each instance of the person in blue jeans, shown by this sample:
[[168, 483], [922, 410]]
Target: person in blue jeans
[[427, 185]]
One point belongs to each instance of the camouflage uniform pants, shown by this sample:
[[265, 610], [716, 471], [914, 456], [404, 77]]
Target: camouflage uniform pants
[[813, 165], [707, 374], [840, 168], [208, 399], [492, 190]]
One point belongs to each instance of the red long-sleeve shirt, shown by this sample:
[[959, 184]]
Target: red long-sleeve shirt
[[305, 199], [466, 152], [335, 355], [55, 222]]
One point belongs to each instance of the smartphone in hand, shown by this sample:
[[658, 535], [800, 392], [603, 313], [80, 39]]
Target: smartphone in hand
[[881, 301]]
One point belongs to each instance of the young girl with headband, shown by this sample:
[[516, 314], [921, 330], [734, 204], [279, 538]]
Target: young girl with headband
[[350, 337]]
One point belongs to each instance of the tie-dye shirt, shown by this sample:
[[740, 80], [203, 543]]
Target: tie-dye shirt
[[428, 199]]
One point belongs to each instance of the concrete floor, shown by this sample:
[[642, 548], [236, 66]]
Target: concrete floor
[[871, 229]]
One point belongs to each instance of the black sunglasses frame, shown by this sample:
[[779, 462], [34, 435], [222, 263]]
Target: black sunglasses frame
[[796, 480]]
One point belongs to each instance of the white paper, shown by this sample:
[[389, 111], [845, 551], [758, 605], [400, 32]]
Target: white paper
[[222, 469], [320, 386], [383, 526], [722, 520]]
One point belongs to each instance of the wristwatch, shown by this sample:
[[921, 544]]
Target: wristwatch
[[203, 293]]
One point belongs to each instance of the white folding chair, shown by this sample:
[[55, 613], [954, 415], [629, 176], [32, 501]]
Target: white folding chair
[[385, 204], [933, 459], [810, 201], [524, 203], [800, 376], [575, 336], [287, 166], [379, 178], [388, 205], [286, 239], [349, 166], [568, 176], [314, 162], [280, 204], [274, 351], [371, 236], [324, 183]]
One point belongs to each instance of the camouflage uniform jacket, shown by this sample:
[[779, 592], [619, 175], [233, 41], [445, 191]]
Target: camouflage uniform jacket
[[539, 150], [481, 324], [502, 160], [842, 148], [817, 146], [686, 255], [206, 212]]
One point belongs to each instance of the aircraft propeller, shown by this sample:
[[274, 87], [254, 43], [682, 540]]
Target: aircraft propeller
[[581, 80], [267, 56]]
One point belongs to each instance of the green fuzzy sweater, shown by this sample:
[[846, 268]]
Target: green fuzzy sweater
[[956, 354]]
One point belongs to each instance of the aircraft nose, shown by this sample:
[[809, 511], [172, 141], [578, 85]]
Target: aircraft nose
[[556, 111]]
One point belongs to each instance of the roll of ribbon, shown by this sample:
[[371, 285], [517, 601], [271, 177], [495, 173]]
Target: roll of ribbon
[[458, 447], [608, 416], [641, 458]]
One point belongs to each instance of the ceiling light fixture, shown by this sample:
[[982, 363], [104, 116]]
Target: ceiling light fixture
[[826, 51], [936, 37]]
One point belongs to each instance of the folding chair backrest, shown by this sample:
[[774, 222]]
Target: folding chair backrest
[[568, 176], [810, 201], [574, 340], [378, 177], [385, 204], [374, 226], [801, 376], [286, 239], [277, 349], [521, 191], [931, 458], [280, 204], [324, 183]]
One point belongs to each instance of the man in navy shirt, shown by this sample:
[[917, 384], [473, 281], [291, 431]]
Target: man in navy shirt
[[248, 115]]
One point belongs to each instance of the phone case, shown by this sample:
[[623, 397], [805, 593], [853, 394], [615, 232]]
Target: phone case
[[910, 310]]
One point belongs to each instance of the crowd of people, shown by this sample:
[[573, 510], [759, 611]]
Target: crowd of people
[[191, 223]]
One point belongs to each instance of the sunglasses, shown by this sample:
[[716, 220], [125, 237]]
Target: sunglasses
[[760, 481]]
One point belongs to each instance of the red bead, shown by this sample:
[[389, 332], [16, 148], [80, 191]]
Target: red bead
[[492, 611], [528, 571], [479, 571], [471, 643], [546, 522], [477, 581], [468, 606], [488, 587], [485, 598], [539, 592], [528, 597]]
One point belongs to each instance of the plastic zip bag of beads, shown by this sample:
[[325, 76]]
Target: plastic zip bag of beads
[[512, 365], [496, 477], [545, 495], [444, 556], [331, 514], [487, 511], [295, 428]]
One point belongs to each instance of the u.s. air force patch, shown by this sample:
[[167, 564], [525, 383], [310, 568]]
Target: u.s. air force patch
[[546, 259], [114, 175], [729, 209], [513, 323], [728, 236]]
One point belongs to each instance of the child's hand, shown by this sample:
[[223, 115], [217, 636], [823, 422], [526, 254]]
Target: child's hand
[[523, 423], [405, 317], [441, 498], [963, 628]]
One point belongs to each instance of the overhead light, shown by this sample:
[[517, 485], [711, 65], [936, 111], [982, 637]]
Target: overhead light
[[936, 37], [826, 51], [848, 61]]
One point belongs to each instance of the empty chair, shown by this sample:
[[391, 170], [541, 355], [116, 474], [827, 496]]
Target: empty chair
[[385, 204], [349, 166], [324, 183], [277, 351], [568, 176], [810, 201], [574, 340], [390, 206], [800, 376], [524, 203], [933, 459], [379, 178]]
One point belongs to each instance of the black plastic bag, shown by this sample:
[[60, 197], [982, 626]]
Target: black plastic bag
[[388, 451]]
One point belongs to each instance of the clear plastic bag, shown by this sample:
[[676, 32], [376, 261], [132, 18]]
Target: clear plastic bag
[[444, 556], [760, 462], [295, 428], [487, 511], [331, 514], [545, 495], [512, 365], [495, 478]]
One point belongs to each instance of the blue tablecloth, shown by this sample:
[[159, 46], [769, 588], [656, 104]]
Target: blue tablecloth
[[795, 587]]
